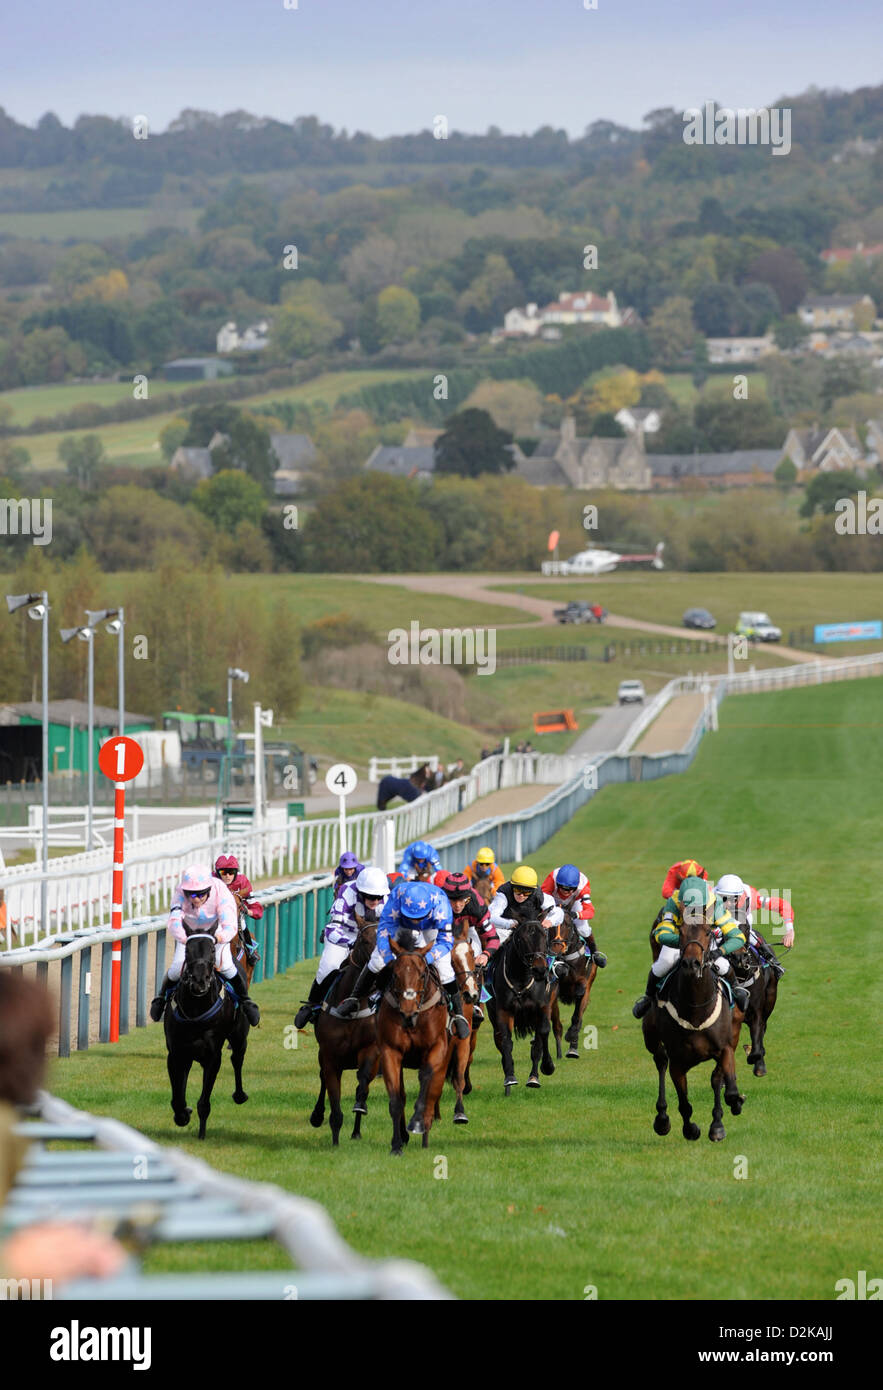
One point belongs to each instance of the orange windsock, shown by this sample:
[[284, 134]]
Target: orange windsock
[[554, 538]]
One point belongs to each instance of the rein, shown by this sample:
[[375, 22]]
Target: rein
[[520, 990], [214, 1007], [396, 1000]]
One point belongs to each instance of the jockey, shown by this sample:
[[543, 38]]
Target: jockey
[[695, 899], [423, 909], [686, 868], [204, 904], [469, 914], [521, 900], [484, 865], [347, 871], [741, 900], [355, 906], [420, 861], [228, 871], [569, 889]]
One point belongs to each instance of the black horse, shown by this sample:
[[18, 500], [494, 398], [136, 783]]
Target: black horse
[[200, 1017], [523, 990], [762, 983]]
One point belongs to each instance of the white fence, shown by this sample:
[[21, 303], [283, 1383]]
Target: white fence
[[398, 767]]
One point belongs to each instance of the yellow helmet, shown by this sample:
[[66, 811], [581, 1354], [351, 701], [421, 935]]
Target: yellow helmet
[[485, 856], [524, 877]]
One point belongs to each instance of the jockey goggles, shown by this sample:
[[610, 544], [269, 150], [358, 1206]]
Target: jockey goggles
[[194, 893]]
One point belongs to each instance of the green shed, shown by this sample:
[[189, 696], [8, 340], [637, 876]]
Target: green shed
[[21, 748]]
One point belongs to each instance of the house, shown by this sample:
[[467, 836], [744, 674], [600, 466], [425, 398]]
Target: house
[[828, 450], [637, 419], [252, 339], [582, 307], [737, 468], [522, 322], [834, 310], [874, 442], [227, 339], [571, 460], [415, 461], [839, 255], [417, 436], [196, 369], [296, 454], [193, 464], [739, 349]]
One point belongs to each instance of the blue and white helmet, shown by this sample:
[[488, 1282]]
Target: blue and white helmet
[[415, 903], [567, 877]]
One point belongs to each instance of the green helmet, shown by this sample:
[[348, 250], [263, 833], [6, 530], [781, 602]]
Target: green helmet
[[694, 895]]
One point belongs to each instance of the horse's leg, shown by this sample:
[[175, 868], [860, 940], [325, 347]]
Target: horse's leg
[[422, 1117], [503, 1039], [731, 1087], [581, 999], [317, 1117], [662, 1124], [557, 1028], [547, 1066], [679, 1077], [716, 1129], [179, 1070], [462, 1054], [210, 1071], [239, 1043], [391, 1063], [333, 1074], [436, 1058]]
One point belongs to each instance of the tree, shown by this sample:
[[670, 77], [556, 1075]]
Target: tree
[[77, 267], [720, 311], [722, 422], [514, 405], [472, 444], [129, 525], [113, 285], [789, 332], [763, 307], [227, 499], [824, 489], [785, 474], [606, 426], [172, 436], [700, 361], [302, 330], [372, 523], [784, 272], [283, 679], [671, 330], [368, 328], [398, 315], [82, 455], [207, 420], [249, 448], [494, 290]]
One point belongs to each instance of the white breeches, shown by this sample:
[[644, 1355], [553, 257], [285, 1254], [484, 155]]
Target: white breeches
[[332, 958], [223, 961], [670, 955]]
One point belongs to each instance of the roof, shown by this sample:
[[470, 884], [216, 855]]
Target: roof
[[812, 439], [582, 302], [832, 301], [402, 462], [714, 465], [196, 461], [63, 711], [542, 471], [195, 362], [293, 449], [847, 253]]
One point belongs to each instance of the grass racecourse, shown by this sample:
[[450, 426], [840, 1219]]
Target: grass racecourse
[[552, 1191]]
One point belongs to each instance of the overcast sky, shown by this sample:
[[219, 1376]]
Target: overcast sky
[[388, 66]]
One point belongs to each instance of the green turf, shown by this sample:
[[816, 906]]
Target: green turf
[[548, 1192]]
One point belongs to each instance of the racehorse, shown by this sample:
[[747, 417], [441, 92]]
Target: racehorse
[[345, 1043], [692, 1022], [199, 1018], [575, 975], [244, 958], [412, 1021], [762, 984], [408, 788], [522, 994], [484, 887], [463, 961]]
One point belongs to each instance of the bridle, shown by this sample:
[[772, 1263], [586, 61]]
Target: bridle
[[527, 959], [214, 1002], [423, 1003]]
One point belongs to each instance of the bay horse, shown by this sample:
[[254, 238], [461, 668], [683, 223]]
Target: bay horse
[[244, 958], [345, 1044], [693, 1022], [484, 887], [199, 1018], [522, 994], [575, 974], [412, 1023], [468, 983], [762, 983]]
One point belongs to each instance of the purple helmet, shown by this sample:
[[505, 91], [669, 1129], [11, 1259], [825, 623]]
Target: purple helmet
[[349, 861]]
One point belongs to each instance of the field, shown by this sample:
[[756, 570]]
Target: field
[[95, 224], [547, 1193]]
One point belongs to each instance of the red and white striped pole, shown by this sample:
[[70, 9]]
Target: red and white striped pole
[[120, 759]]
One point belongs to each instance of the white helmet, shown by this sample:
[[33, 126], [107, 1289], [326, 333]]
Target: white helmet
[[730, 886], [372, 882]]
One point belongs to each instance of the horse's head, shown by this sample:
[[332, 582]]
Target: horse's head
[[409, 979], [530, 945], [463, 958], [199, 962], [696, 938], [560, 936], [484, 887]]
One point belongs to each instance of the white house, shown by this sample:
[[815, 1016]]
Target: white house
[[583, 307], [739, 349], [252, 339]]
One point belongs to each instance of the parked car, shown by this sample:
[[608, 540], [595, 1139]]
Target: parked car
[[699, 618], [581, 611], [758, 627], [630, 693]]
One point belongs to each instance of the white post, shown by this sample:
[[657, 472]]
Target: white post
[[91, 764], [258, 768], [730, 665]]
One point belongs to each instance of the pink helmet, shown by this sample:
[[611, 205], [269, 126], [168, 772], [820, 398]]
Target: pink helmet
[[196, 879], [226, 861]]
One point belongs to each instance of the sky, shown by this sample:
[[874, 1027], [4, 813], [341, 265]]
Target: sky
[[391, 66]]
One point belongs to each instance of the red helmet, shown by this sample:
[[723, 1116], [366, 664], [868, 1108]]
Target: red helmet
[[226, 861], [440, 878], [455, 885]]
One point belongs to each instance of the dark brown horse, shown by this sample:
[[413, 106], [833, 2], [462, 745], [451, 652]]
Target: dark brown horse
[[575, 974], [469, 985], [345, 1043], [762, 984], [412, 1022], [690, 1022], [522, 994], [484, 887], [200, 1017]]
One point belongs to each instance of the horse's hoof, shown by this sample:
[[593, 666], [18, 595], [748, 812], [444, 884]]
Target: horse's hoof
[[415, 1126], [691, 1131], [574, 1052], [183, 1118], [355, 1136], [533, 1082], [395, 1153], [461, 1119], [662, 1124], [548, 1066], [360, 1108], [760, 1069], [240, 1097], [510, 1080], [317, 1120], [716, 1133]]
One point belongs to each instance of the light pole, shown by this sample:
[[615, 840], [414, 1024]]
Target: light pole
[[117, 628], [234, 673], [87, 634], [38, 609]]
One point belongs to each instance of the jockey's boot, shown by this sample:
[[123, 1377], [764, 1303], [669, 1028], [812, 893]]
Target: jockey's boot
[[594, 954], [305, 1013], [740, 995], [458, 1022], [641, 1005], [249, 1007], [766, 952], [350, 1005], [157, 1005]]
